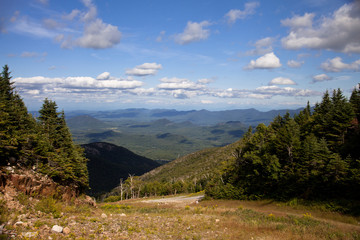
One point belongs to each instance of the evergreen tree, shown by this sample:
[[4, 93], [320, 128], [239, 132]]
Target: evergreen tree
[[65, 161], [16, 123]]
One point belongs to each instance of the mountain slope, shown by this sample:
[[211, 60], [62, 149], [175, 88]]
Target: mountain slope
[[85, 122], [108, 163], [201, 165]]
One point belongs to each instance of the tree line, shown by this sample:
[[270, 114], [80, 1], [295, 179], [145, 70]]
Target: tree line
[[313, 155], [135, 187], [43, 143]]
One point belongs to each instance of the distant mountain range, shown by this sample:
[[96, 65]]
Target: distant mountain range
[[109, 163], [159, 139], [199, 117]]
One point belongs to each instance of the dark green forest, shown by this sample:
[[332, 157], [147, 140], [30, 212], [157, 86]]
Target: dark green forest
[[314, 155], [44, 144]]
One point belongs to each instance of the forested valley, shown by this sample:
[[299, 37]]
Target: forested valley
[[313, 155]]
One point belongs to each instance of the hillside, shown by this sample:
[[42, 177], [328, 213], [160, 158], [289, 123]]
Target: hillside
[[109, 163], [198, 166], [85, 122]]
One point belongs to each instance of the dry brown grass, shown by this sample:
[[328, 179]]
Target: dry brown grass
[[136, 219]]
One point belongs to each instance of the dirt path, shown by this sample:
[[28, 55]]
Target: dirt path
[[177, 200]]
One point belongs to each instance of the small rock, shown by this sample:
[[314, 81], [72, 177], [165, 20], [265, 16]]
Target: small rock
[[122, 215], [57, 228], [66, 230], [18, 223], [103, 215], [29, 234], [217, 220], [72, 222]]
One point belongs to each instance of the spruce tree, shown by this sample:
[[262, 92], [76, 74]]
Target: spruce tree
[[65, 161]]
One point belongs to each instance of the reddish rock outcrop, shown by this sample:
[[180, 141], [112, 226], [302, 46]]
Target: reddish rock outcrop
[[34, 184]]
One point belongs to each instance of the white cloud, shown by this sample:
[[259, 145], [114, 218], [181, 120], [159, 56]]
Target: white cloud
[[336, 65], [98, 34], [103, 76], [50, 23], [286, 91], [340, 32], [76, 84], [71, 16], [205, 81], [297, 22], [321, 78], [29, 54], [262, 46], [144, 69], [161, 36], [193, 32], [29, 27], [235, 14], [91, 13], [268, 61], [75, 29], [179, 83], [207, 102], [282, 81], [294, 64]]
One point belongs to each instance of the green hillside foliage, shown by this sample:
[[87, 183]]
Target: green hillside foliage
[[45, 144], [313, 155], [160, 139]]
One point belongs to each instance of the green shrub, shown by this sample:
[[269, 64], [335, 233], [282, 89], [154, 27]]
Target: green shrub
[[49, 205], [3, 212], [112, 199]]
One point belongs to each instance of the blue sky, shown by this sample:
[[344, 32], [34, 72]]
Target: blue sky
[[215, 55]]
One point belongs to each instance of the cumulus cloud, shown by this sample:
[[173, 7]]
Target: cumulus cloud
[[340, 32], [235, 14], [268, 61], [262, 46], [286, 91], [321, 78], [193, 32], [98, 34], [144, 69], [103, 76], [336, 65], [295, 64], [282, 81], [75, 29], [86, 85], [179, 83], [297, 22]]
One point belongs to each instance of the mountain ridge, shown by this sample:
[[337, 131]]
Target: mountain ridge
[[202, 117]]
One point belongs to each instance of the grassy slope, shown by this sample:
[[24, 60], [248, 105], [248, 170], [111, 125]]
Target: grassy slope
[[199, 165]]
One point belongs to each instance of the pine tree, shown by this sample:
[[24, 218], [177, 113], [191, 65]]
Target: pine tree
[[65, 161], [16, 123]]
